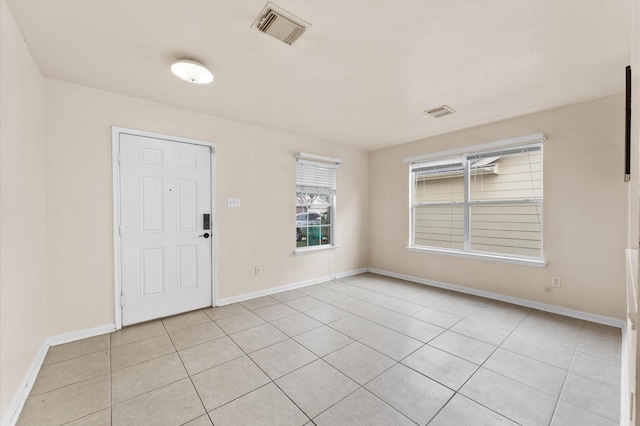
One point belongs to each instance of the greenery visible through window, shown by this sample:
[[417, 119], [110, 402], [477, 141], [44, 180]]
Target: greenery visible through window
[[480, 202], [315, 201]]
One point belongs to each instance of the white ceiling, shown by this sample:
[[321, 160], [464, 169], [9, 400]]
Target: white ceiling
[[362, 75]]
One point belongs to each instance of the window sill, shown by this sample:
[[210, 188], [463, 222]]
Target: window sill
[[540, 263], [307, 250]]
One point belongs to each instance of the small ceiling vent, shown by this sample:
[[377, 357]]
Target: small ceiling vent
[[280, 24], [440, 111]]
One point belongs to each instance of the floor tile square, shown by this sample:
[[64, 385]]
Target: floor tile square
[[570, 415], [210, 354], [537, 374], [391, 303], [259, 302], [305, 303], [225, 311], [316, 387], [176, 404], [200, 421], [328, 296], [480, 331], [275, 312], [600, 341], [323, 340], [463, 411], [459, 304], [462, 346], [285, 296], [519, 403], [137, 379], [327, 313], [137, 332], [264, 406], [350, 290], [68, 403], [74, 370], [600, 399], [500, 314], [78, 348], [140, 351], [282, 358], [296, 324], [441, 319], [101, 418], [391, 343], [355, 327], [228, 381], [441, 366], [192, 336], [258, 337], [359, 362], [178, 322], [603, 370], [416, 329], [361, 408], [411, 393], [239, 322], [559, 356]]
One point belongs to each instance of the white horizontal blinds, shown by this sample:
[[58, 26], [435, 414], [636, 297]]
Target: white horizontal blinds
[[315, 177], [503, 204], [438, 196], [506, 205]]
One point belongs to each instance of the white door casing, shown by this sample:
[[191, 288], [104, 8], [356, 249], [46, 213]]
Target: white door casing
[[165, 260]]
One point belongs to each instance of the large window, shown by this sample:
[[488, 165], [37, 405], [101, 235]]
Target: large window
[[315, 201], [484, 201]]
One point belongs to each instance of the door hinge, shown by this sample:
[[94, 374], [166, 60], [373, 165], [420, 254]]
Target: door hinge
[[122, 301], [120, 230], [119, 158]]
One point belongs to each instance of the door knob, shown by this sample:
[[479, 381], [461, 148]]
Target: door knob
[[205, 235]]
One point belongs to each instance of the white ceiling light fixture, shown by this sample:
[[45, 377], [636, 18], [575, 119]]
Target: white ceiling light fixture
[[279, 23], [191, 72]]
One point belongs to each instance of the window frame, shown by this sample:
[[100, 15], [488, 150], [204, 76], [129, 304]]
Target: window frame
[[464, 153], [324, 162]]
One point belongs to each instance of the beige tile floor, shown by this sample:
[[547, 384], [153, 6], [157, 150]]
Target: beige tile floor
[[366, 350]]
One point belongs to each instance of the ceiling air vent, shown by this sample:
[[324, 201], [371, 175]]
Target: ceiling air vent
[[440, 111], [280, 24]]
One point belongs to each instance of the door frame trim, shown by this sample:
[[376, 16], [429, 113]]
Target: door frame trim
[[117, 253]]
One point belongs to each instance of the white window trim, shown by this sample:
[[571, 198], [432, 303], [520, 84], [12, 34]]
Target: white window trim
[[528, 261], [467, 253], [307, 250], [326, 162]]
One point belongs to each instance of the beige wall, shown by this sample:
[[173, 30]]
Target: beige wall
[[585, 211], [22, 298], [253, 163]]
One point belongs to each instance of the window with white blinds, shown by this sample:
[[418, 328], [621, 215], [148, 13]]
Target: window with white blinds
[[315, 203], [487, 201]]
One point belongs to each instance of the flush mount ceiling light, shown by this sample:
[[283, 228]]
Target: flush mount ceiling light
[[191, 72]]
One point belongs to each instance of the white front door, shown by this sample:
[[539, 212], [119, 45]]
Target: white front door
[[166, 248]]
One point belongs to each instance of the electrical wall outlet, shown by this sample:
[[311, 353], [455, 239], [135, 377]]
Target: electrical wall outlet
[[233, 202], [258, 271], [555, 282]]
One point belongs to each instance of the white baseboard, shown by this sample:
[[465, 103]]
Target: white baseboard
[[17, 404], [600, 319], [293, 286]]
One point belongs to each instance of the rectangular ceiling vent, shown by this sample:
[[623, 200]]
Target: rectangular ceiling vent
[[440, 111], [280, 24]]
